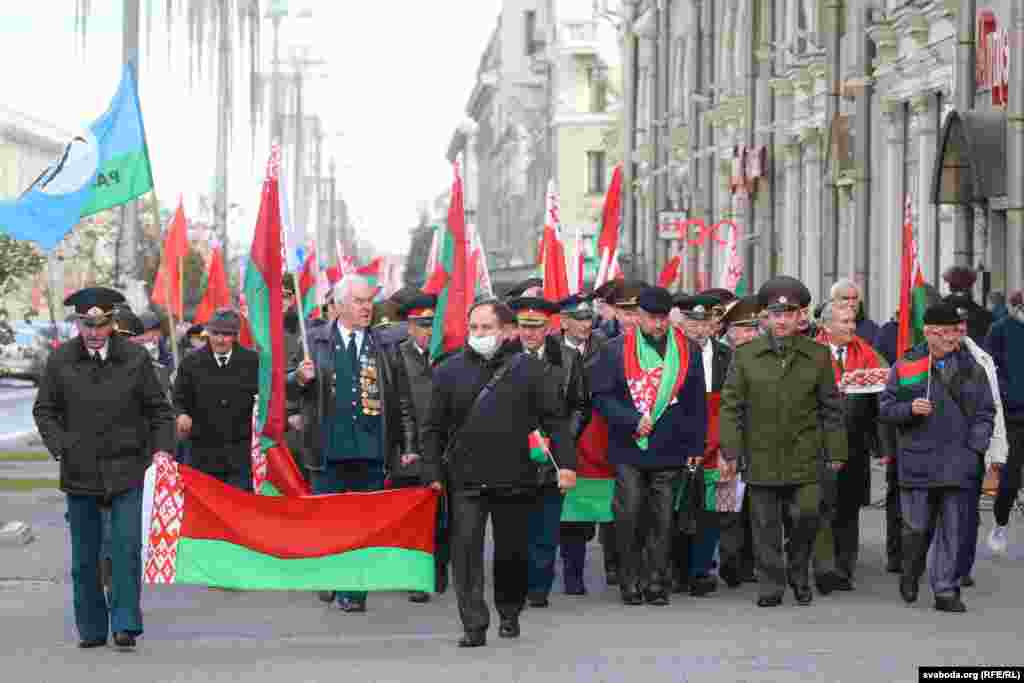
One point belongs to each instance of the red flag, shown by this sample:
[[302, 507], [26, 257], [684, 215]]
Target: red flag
[[217, 294], [308, 300], [608, 240], [450, 324], [168, 278], [371, 269], [670, 272], [334, 275], [911, 288]]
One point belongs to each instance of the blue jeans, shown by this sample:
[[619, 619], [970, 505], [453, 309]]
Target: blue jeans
[[342, 478], [703, 544], [92, 615], [544, 522]]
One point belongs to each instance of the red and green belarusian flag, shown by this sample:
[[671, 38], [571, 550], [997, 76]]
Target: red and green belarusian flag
[[308, 287], [450, 279], [372, 272], [205, 532], [913, 298], [217, 294], [909, 376]]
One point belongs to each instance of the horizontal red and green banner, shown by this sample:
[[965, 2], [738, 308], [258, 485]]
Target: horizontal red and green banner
[[205, 532]]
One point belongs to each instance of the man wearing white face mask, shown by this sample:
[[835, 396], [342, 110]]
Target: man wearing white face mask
[[486, 401]]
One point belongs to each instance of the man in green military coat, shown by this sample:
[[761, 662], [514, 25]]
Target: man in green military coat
[[781, 415]]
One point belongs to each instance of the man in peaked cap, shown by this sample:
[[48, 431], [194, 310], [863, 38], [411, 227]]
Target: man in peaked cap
[[652, 436], [531, 287], [411, 361], [780, 405], [693, 554], [127, 323], [103, 415], [961, 280], [942, 402], [742, 321], [564, 374]]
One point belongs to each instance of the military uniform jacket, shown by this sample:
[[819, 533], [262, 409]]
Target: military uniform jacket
[[414, 372], [102, 422], [220, 402], [782, 413], [318, 396]]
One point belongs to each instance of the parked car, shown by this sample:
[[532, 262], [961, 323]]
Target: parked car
[[24, 348]]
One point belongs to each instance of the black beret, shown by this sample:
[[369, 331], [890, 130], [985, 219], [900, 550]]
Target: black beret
[[942, 313], [224, 321], [655, 300]]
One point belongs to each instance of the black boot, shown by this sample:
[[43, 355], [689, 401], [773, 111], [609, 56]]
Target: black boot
[[509, 627], [473, 639]]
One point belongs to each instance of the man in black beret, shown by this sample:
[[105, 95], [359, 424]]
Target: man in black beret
[[780, 406], [101, 412], [214, 394], [648, 384], [940, 399]]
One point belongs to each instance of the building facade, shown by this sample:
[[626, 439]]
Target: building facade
[[816, 128], [541, 109]]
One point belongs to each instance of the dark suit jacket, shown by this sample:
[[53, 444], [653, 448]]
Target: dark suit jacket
[[220, 402]]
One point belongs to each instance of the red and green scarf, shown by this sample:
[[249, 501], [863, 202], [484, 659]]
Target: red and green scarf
[[654, 381]]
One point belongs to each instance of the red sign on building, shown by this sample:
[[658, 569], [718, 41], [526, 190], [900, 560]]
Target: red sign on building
[[992, 59]]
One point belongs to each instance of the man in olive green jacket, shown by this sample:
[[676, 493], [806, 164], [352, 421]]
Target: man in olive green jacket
[[781, 416]]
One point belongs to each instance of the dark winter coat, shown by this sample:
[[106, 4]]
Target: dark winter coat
[[220, 403], [886, 340], [946, 447], [781, 413], [318, 397], [103, 423], [679, 434], [564, 367], [415, 376], [491, 449], [1005, 342]]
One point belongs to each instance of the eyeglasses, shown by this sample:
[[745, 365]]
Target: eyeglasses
[[942, 331]]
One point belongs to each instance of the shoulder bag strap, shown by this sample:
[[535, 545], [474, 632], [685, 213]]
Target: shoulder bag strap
[[482, 394]]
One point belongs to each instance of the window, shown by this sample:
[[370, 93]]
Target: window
[[597, 80], [595, 172], [529, 30]]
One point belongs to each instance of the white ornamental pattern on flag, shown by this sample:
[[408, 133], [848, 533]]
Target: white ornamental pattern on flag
[[165, 526]]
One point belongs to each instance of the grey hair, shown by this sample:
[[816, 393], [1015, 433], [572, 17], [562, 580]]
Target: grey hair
[[843, 285], [344, 288]]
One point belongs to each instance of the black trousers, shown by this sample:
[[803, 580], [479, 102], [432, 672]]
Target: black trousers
[[893, 515], [736, 549], [643, 506], [509, 512], [772, 508]]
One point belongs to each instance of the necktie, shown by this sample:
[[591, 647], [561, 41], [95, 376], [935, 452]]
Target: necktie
[[353, 358], [841, 357], [98, 358], [222, 361]]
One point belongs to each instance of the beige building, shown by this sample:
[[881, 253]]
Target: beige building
[[541, 109]]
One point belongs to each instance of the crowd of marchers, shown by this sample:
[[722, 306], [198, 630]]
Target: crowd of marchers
[[739, 433]]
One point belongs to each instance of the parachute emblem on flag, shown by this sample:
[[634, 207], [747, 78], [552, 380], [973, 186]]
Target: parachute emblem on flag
[[76, 167]]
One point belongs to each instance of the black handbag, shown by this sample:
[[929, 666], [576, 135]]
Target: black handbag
[[690, 499]]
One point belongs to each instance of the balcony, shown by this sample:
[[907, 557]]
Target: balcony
[[578, 37]]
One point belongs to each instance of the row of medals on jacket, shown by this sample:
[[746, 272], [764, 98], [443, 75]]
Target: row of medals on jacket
[[368, 386]]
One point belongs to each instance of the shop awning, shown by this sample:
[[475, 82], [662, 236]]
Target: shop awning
[[971, 163]]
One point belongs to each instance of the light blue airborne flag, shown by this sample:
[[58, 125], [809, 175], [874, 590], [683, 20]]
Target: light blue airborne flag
[[105, 166]]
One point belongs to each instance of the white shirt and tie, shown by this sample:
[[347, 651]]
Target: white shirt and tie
[[347, 337], [100, 354], [839, 353], [708, 354], [223, 358]]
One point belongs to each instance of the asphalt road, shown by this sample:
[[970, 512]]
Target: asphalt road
[[193, 634], [16, 423]]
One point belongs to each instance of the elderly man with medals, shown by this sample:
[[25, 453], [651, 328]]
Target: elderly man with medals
[[352, 405]]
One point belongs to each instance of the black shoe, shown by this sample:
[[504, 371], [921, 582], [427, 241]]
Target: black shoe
[[657, 597], [843, 584], [91, 643], [769, 601], [351, 605], [703, 585], [473, 639], [632, 597], [967, 582], [950, 604], [509, 627], [749, 576], [326, 596], [611, 575], [419, 597], [537, 600], [680, 586], [124, 640], [908, 590], [730, 576], [894, 567], [826, 582], [803, 594]]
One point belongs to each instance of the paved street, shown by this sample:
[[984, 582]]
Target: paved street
[[195, 634]]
